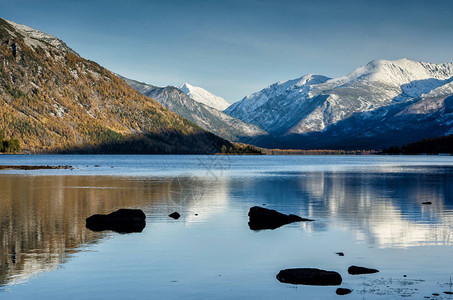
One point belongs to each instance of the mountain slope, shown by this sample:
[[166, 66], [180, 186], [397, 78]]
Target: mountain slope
[[203, 96], [204, 116], [54, 100], [374, 106]]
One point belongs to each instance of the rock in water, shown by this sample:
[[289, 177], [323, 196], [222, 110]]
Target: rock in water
[[342, 291], [427, 203], [308, 276], [355, 270], [263, 218], [174, 215], [122, 221]]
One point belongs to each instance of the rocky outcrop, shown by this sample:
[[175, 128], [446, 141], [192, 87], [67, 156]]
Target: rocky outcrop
[[262, 218], [175, 215], [308, 276], [355, 270], [343, 291], [122, 221]]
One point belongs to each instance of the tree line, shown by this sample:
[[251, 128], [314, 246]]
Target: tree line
[[436, 145], [8, 146]]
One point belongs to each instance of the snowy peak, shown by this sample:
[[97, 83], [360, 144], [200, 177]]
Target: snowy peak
[[200, 114], [281, 87], [398, 72], [317, 105], [203, 96], [35, 38]]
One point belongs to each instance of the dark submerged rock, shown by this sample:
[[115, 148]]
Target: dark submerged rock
[[263, 218], [342, 291], [309, 276], [355, 270], [122, 221], [427, 203], [174, 215], [340, 253]]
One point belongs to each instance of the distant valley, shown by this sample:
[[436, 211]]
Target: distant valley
[[204, 111]]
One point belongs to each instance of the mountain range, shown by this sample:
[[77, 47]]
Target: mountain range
[[53, 100], [380, 104]]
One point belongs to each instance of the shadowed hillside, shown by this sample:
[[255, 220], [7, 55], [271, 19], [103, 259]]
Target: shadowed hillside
[[442, 144]]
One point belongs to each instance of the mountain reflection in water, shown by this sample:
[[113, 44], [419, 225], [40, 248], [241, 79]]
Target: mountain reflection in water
[[42, 219]]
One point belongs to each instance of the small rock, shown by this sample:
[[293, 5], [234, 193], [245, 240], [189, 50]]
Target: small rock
[[435, 294], [342, 291], [427, 203], [97, 166], [404, 275], [448, 293], [174, 215], [355, 270], [340, 253], [196, 214], [309, 276], [122, 221], [263, 218]]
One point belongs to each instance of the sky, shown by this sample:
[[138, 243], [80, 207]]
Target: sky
[[236, 47]]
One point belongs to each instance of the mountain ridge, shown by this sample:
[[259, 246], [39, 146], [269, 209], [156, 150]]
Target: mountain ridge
[[303, 109]]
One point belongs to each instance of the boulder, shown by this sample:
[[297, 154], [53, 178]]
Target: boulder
[[263, 218], [355, 270], [174, 215], [309, 276], [343, 291], [122, 221]]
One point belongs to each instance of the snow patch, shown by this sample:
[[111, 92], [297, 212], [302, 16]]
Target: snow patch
[[203, 96]]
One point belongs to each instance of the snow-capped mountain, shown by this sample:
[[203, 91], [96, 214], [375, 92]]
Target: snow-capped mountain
[[202, 115], [359, 108], [203, 96]]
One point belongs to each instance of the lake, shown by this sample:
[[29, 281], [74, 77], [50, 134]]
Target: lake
[[368, 207]]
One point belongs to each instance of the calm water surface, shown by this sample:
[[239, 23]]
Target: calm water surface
[[369, 207]]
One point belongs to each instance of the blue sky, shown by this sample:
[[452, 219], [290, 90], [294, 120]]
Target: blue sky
[[233, 48]]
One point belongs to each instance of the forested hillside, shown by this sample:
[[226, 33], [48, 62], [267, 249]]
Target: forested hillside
[[53, 100]]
